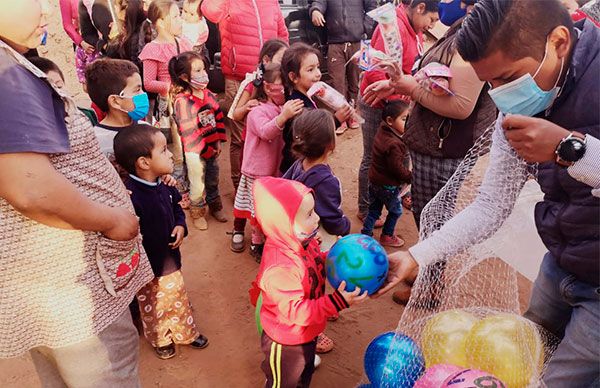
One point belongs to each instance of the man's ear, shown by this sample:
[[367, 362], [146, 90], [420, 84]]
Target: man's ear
[[421, 9], [560, 38]]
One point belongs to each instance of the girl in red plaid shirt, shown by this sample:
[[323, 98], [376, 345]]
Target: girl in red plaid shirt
[[200, 125]]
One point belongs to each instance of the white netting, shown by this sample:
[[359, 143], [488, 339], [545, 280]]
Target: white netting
[[464, 308]]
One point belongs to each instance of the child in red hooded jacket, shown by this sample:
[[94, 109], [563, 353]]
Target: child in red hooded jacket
[[291, 280]]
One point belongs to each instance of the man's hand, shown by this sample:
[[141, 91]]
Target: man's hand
[[402, 267], [318, 19], [377, 92], [353, 297], [125, 226], [535, 140], [178, 232]]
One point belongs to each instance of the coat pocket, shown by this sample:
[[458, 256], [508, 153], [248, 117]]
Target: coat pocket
[[117, 262]]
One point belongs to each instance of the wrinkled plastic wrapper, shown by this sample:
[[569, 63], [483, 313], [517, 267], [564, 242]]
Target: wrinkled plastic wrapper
[[331, 98], [368, 58], [388, 23], [435, 78]]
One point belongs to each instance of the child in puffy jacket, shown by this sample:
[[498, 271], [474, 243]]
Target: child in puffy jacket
[[291, 282]]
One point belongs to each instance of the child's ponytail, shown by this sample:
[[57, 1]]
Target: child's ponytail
[[314, 134]]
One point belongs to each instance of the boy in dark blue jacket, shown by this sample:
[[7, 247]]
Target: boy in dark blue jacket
[[166, 312]]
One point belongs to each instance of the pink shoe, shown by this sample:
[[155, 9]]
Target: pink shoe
[[353, 124], [391, 241]]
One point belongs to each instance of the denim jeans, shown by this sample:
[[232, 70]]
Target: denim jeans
[[380, 196], [204, 176], [372, 122], [570, 309]]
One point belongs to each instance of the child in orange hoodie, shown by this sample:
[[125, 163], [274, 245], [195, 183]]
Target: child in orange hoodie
[[291, 280]]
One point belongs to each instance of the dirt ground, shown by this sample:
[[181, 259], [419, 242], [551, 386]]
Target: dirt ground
[[217, 281]]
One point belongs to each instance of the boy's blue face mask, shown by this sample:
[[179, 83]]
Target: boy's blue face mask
[[141, 106], [523, 96], [451, 12]]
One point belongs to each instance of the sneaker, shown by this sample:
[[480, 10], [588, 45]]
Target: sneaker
[[165, 352], [256, 251], [238, 244], [353, 124], [317, 361], [378, 224], [341, 129], [200, 343], [391, 241]]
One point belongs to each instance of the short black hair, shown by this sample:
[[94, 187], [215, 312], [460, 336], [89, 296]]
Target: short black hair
[[518, 28], [393, 109], [133, 142], [106, 77], [46, 65], [430, 5]]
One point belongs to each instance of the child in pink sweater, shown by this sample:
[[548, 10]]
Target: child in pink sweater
[[263, 148]]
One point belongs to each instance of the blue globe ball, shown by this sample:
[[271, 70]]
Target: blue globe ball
[[393, 361], [359, 260]]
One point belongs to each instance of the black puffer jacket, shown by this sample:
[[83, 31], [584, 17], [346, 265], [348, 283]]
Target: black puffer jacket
[[568, 219], [346, 20]]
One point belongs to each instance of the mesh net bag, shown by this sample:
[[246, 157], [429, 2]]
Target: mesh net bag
[[464, 310]]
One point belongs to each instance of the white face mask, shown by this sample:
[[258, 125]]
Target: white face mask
[[523, 96]]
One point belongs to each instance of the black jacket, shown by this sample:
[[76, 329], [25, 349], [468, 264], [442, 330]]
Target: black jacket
[[346, 20], [568, 219]]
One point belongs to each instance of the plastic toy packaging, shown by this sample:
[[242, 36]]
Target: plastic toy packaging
[[368, 58], [331, 98], [386, 16], [435, 77]]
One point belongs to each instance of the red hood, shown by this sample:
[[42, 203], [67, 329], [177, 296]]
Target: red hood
[[276, 203]]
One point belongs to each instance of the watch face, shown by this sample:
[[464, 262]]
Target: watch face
[[572, 150]]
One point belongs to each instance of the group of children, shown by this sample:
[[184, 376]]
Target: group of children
[[287, 190]]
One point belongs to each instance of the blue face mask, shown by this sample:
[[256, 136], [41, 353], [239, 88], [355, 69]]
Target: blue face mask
[[523, 96], [451, 12], [141, 105]]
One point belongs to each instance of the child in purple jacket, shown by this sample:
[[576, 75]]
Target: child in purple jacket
[[313, 142]]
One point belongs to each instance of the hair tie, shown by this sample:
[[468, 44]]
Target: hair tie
[[149, 21]]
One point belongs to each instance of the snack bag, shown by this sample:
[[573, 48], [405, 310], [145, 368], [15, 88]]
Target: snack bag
[[386, 16], [330, 97]]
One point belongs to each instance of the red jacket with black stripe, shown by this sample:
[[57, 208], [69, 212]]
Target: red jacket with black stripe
[[200, 123], [291, 276]]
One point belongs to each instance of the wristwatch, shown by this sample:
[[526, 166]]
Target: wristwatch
[[570, 149]]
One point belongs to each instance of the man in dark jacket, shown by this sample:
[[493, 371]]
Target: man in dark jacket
[[543, 71], [347, 23]]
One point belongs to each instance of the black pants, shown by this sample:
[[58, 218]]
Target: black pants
[[288, 366]]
